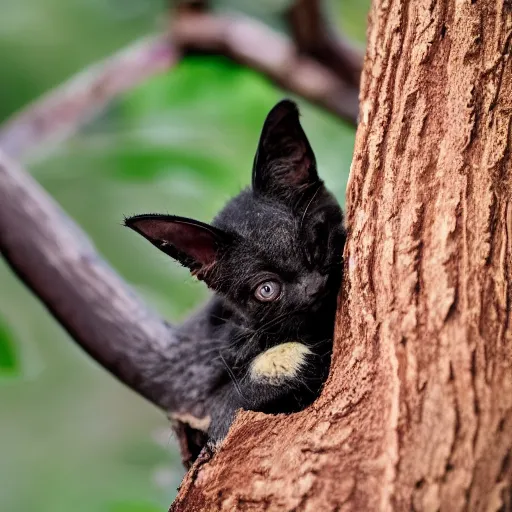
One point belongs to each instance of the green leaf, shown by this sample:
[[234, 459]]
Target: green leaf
[[9, 364]]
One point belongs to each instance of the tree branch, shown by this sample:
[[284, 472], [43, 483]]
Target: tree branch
[[315, 37], [59, 264], [59, 114], [254, 45]]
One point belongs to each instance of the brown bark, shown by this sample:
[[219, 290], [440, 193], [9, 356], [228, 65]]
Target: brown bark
[[417, 413]]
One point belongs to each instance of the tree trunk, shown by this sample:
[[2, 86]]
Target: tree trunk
[[417, 413]]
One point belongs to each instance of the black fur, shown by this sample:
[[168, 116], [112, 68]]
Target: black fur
[[286, 228]]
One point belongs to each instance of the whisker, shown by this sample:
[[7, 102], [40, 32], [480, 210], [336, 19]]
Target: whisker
[[307, 207], [232, 376]]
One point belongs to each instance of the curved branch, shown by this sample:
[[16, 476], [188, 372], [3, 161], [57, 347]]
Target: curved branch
[[315, 37], [58, 114], [256, 46], [60, 265]]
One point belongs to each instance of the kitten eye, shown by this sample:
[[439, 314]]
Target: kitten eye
[[268, 291]]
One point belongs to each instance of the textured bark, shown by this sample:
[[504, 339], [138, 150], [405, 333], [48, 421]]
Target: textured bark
[[417, 413]]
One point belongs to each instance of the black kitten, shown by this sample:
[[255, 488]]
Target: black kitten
[[273, 257]]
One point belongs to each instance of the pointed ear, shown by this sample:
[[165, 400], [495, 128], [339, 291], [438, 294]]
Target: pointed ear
[[284, 162], [194, 244]]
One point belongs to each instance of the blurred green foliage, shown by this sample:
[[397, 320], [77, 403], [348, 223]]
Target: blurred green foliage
[[71, 436], [9, 364]]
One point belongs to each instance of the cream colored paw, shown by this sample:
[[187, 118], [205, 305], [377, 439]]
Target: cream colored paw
[[279, 363]]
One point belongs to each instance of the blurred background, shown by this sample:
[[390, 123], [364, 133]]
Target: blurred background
[[71, 436]]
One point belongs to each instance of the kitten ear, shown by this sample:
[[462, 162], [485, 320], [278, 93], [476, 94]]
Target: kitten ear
[[284, 162], [194, 244]]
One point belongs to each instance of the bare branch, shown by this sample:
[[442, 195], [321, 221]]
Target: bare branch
[[315, 37], [61, 112], [59, 264], [254, 45]]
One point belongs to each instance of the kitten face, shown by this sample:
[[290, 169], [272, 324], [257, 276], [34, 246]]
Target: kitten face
[[295, 252], [274, 252]]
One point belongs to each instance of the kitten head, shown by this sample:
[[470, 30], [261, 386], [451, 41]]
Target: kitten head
[[274, 252]]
